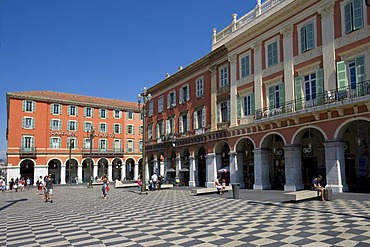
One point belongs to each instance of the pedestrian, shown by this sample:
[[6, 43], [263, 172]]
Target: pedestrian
[[11, 184], [28, 182], [139, 182], [154, 181], [2, 183], [105, 188], [40, 186], [76, 179], [317, 186], [16, 184], [22, 183], [218, 185], [48, 189], [160, 180]]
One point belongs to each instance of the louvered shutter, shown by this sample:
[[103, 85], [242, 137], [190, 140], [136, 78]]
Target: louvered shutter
[[298, 92], [195, 120], [252, 104], [320, 86], [218, 113], [188, 122], [204, 117], [303, 38], [239, 107], [271, 104], [181, 96], [360, 69], [282, 94], [228, 110], [341, 75], [180, 124], [358, 21], [168, 127]]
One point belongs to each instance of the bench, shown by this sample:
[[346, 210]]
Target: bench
[[301, 195], [166, 186], [119, 184], [200, 191]]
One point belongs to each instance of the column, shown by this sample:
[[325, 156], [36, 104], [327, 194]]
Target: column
[[239, 174], [192, 171], [178, 165], [161, 168], [261, 169], [258, 75], [328, 45], [63, 174], [95, 171], [123, 172], [136, 171], [335, 166], [288, 63], [79, 173], [233, 91], [210, 170], [156, 167], [293, 168], [236, 168], [146, 171], [213, 104], [110, 172]]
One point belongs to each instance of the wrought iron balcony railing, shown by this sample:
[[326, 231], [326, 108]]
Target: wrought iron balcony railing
[[336, 95]]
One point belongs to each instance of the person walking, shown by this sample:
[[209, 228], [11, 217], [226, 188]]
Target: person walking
[[105, 188], [154, 181], [40, 186], [48, 189], [76, 179], [28, 182]]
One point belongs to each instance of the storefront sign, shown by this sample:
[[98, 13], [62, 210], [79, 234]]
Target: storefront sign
[[74, 134]]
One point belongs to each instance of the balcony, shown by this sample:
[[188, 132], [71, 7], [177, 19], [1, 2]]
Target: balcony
[[27, 152], [223, 125], [342, 95], [103, 152]]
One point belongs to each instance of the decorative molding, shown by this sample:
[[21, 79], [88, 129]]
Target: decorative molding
[[213, 69], [352, 53], [303, 57], [309, 68], [327, 10], [257, 46], [232, 58], [347, 39], [273, 69], [287, 31]]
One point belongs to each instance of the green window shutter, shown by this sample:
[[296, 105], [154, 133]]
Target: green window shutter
[[204, 117], [358, 20], [252, 103], [218, 113], [33, 106], [320, 86], [228, 110], [23, 122], [51, 142], [239, 107], [360, 69], [303, 38], [348, 17], [195, 120], [24, 105], [282, 94], [84, 111], [298, 92], [341, 75], [188, 122], [76, 126], [310, 36], [180, 124], [51, 108], [51, 124], [33, 123], [271, 97]]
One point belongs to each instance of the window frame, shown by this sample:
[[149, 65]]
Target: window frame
[[312, 21], [241, 56], [267, 44], [223, 79]]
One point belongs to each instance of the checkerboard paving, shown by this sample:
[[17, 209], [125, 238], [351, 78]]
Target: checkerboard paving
[[80, 217]]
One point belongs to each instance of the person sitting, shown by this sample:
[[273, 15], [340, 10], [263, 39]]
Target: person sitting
[[316, 186], [218, 185]]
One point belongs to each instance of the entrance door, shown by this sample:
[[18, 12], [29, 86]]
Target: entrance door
[[309, 171]]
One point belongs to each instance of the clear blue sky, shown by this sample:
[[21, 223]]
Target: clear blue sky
[[103, 48]]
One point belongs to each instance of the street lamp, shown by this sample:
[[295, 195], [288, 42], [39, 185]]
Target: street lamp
[[92, 131], [145, 97], [71, 143]]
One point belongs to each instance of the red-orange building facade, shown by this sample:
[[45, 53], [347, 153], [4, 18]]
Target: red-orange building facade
[[46, 129]]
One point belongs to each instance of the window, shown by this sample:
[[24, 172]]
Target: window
[[141, 129], [307, 37], [184, 123], [117, 128], [223, 73], [28, 123], [310, 86], [244, 66], [171, 99], [272, 53], [223, 111], [276, 96], [88, 112], [141, 116], [117, 114], [353, 15], [199, 87], [199, 118], [72, 125], [184, 94], [130, 115], [56, 109], [103, 145], [117, 145], [28, 143], [160, 104], [150, 112], [160, 129], [103, 128], [55, 142], [87, 143], [130, 129], [55, 124], [170, 126], [246, 105], [140, 146], [72, 143], [103, 113], [150, 131], [351, 73], [29, 106], [87, 126], [72, 110], [130, 146]]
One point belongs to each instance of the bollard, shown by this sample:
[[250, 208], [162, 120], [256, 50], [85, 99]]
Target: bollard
[[235, 187]]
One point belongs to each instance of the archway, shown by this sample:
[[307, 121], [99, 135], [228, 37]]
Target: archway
[[54, 169], [202, 168], [185, 168], [117, 169], [71, 171], [87, 170], [223, 161], [102, 167], [245, 149], [27, 169], [130, 169]]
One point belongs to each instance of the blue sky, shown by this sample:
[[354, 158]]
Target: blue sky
[[103, 48]]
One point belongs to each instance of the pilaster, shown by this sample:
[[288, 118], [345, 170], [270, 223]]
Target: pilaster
[[233, 91], [288, 62], [293, 169], [261, 169], [211, 170], [258, 75], [63, 173], [192, 171]]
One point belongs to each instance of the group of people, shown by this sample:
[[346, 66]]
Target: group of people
[[155, 182], [220, 186], [16, 184], [45, 187]]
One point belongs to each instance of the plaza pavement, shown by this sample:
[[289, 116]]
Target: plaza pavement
[[79, 217]]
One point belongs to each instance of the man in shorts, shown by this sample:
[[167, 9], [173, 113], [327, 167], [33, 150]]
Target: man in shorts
[[48, 189]]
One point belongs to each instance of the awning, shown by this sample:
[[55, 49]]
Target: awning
[[171, 170], [184, 170], [225, 169]]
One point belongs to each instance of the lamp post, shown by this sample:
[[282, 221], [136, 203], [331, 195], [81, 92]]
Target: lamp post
[[145, 97], [71, 142], [92, 131]]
